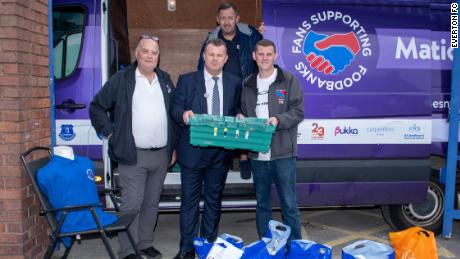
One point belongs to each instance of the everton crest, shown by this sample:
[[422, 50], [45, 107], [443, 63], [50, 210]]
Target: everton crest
[[67, 132], [90, 174]]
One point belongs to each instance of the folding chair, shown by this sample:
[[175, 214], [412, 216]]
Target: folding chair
[[122, 223]]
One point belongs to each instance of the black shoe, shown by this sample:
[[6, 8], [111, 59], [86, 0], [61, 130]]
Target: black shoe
[[151, 252], [133, 256], [185, 255]]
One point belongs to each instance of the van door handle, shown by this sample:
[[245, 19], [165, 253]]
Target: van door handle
[[69, 105]]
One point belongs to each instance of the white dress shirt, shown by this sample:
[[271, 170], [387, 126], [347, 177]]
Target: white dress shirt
[[209, 82], [150, 123]]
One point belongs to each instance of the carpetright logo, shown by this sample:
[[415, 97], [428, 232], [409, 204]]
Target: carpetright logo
[[331, 60]]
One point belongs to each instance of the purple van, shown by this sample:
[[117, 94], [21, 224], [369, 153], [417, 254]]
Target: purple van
[[85, 55], [375, 103]]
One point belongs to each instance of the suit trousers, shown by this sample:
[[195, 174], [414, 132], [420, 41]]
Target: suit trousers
[[210, 173], [141, 186]]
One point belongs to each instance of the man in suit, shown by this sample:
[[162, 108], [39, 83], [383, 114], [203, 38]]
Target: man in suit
[[207, 91], [240, 40]]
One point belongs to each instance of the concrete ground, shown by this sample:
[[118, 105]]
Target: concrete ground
[[334, 227]]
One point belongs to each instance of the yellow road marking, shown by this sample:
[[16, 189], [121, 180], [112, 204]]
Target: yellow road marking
[[367, 213], [309, 214], [444, 252], [357, 235]]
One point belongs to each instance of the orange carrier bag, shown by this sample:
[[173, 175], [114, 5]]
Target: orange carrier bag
[[414, 243]]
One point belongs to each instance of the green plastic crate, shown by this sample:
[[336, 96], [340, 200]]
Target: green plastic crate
[[230, 132]]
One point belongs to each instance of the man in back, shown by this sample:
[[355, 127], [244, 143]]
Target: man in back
[[240, 39]]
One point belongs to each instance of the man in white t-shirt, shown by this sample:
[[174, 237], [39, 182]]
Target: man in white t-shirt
[[275, 95]]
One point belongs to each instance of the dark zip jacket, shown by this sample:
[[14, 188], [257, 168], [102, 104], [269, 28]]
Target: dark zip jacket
[[248, 36], [285, 102], [116, 97]]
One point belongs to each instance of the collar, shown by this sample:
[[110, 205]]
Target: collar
[[273, 74], [63, 160], [208, 76], [251, 81], [138, 74], [235, 38]]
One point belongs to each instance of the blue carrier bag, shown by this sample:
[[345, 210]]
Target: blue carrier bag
[[308, 249], [202, 246], [270, 247], [367, 249]]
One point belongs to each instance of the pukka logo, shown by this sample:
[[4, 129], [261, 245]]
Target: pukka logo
[[332, 61], [281, 95], [345, 131]]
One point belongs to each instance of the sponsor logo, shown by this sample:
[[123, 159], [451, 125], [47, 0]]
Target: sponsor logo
[[441, 104], [415, 132], [345, 131], [317, 133], [380, 131], [90, 173], [331, 61], [67, 132], [339, 51], [281, 95], [414, 48]]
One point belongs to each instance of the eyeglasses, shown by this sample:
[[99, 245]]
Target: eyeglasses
[[149, 37]]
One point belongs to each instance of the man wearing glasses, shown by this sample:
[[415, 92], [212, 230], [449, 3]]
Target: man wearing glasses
[[141, 138]]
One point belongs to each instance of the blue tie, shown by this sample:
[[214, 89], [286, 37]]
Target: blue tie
[[215, 97]]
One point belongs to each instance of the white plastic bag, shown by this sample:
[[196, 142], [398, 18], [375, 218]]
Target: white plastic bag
[[224, 250]]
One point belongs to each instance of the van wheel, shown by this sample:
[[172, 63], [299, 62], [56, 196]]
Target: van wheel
[[428, 214]]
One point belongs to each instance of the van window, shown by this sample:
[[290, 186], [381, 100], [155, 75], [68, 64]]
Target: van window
[[68, 25]]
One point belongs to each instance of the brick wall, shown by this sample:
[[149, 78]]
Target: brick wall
[[182, 32], [24, 122]]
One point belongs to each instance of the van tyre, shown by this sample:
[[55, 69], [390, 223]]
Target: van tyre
[[428, 215]]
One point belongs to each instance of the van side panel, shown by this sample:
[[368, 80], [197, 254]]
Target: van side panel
[[367, 70]]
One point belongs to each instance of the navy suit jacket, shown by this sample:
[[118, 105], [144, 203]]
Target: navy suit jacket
[[189, 95]]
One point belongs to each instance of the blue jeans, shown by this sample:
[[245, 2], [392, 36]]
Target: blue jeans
[[283, 173]]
